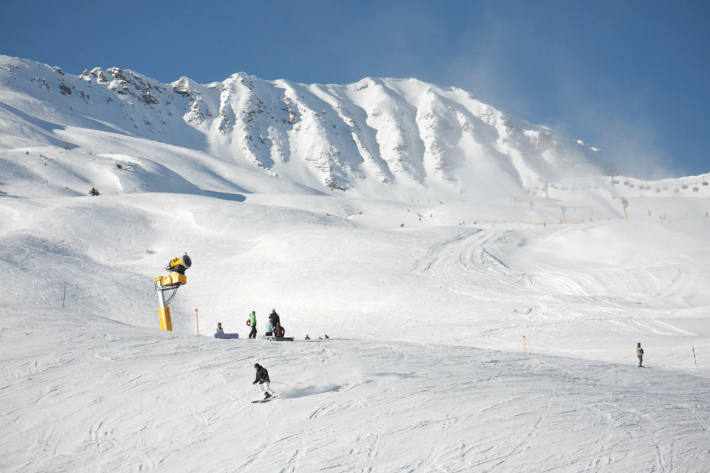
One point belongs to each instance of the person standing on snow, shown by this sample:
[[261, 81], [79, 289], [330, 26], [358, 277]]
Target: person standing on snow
[[262, 378], [252, 323], [274, 320], [274, 317], [639, 353]]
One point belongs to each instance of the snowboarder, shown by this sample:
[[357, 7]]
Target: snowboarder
[[262, 378], [252, 323], [220, 330], [639, 353]]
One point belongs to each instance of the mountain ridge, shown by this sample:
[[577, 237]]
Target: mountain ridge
[[376, 131]]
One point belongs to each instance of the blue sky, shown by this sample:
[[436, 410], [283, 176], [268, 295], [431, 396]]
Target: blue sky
[[632, 77]]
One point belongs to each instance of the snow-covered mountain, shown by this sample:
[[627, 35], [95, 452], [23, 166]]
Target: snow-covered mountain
[[483, 285], [376, 133]]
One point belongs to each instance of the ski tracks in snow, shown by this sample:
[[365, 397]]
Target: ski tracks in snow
[[351, 405], [467, 264]]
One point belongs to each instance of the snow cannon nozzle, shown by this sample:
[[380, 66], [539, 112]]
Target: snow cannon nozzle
[[179, 264]]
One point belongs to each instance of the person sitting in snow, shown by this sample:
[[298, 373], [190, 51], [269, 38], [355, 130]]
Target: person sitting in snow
[[220, 330], [639, 354], [252, 324], [262, 378], [279, 330]]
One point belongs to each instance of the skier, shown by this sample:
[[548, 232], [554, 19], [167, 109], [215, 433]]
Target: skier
[[220, 330], [639, 353], [262, 377], [252, 323]]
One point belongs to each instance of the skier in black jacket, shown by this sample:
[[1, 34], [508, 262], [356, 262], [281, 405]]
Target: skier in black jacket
[[262, 378]]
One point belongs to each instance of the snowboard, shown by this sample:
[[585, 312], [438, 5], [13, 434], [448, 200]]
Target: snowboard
[[261, 401], [226, 335], [278, 339]]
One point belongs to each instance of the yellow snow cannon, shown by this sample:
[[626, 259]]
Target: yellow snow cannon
[[169, 284]]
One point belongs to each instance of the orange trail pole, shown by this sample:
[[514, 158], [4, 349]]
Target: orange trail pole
[[524, 347], [197, 322]]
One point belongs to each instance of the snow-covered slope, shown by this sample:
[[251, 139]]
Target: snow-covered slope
[[371, 133], [481, 287], [110, 398]]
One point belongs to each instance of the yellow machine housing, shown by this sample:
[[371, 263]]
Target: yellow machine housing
[[172, 279]]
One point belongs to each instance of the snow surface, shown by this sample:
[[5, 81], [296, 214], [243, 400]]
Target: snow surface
[[481, 288]]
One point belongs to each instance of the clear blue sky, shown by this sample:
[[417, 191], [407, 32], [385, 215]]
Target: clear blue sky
[[632, 77]]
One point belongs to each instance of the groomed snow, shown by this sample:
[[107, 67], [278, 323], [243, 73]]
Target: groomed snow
[[110, 397]]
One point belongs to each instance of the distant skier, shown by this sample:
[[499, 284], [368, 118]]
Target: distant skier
[[252, 323], [220, 330], [262, 378], [639, 353]]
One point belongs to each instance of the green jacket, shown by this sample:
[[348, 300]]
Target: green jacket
[[252, 319]]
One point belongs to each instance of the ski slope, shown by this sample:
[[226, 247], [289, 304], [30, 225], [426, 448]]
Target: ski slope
[[425, 370], [469, 331], [120, 399]]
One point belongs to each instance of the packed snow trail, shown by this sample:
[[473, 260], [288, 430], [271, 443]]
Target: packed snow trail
[[107, 397]]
